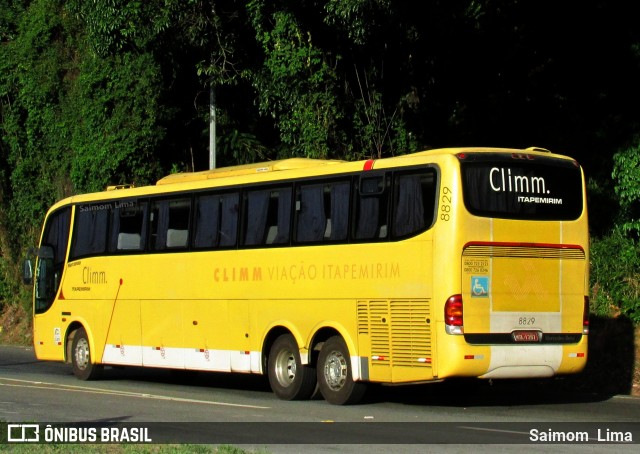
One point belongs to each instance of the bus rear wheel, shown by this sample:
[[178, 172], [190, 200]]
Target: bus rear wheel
[[83, 368], [335, 377], [289, 379]]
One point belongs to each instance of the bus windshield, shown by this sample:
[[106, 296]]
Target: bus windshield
[[521, 187]]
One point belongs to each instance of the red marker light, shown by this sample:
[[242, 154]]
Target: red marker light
[[585, 316]]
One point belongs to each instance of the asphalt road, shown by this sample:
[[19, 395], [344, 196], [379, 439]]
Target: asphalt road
[[241, 410]]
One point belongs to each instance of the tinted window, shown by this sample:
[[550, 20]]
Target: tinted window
[[90, 230], [371, 207], [322, 211], [267, 216], [56, 236], [413, 202], [128, 226], [216, 220], [169, 224], [537, 188]]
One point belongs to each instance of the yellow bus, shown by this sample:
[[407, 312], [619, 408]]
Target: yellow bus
[[321, 274]]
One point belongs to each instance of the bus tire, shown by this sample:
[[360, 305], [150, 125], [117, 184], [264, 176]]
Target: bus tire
[[83, 368], [289, 379], [335, 378]]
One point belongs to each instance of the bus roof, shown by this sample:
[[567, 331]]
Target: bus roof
[[306, 163], [269, 169], [246, 169]]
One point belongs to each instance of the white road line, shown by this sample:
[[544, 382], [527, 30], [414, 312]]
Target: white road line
[[79, 389], [487, 429]]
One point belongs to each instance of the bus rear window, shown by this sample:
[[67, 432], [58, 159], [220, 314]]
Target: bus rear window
[[521, 187]]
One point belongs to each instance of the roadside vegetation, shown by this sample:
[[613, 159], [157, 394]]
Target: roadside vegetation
[[118, 91], [128, 449]]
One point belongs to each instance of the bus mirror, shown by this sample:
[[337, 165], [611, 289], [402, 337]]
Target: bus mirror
[[27, 271], [45, 252], [44, 275]]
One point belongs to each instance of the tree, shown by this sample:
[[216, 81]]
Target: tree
[[626, 174], [72, 121], [295, 84], [116, 91]]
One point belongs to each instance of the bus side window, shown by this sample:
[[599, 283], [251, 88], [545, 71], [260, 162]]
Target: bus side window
[[322, 212], [229, 212], [256, 208], [280, 216], [371, 208], [311, 219], [216, 220], [267, 216], [90, 230], [128, 226], [339, 211], [170, 224], [414, 202], [207, 221]]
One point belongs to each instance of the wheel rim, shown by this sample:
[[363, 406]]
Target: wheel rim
[[285, 367], [82, 354], [335, 370]]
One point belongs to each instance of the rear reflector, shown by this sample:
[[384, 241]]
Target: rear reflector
[[473, 356], [585, 316]]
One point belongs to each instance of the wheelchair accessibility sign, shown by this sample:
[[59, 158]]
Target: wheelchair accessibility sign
[[480, 286]]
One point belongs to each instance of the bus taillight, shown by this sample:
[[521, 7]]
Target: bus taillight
[[585, 316], [453, 315]]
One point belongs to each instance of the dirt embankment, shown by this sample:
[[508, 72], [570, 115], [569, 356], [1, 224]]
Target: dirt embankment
[[15, 326]]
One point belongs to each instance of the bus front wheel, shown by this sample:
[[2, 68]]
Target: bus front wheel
[[83, 368], [289, 379], [335, 378]]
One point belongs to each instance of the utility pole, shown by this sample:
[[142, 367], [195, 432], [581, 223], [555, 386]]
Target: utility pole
[[212, 106]]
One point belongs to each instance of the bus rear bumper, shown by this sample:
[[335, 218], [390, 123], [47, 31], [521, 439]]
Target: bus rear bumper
[[535, 361], [520, 372], [460, 359]]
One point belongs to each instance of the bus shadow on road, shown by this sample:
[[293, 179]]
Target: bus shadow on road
[[609, 372], [483, 393]]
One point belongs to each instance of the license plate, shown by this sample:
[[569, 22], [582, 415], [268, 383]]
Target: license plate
[[526, 336]]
